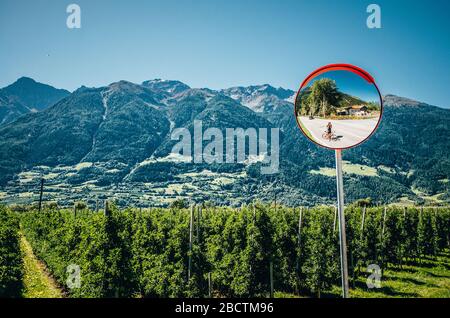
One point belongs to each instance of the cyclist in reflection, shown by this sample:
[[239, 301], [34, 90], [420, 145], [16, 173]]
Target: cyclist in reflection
[[329, 126]]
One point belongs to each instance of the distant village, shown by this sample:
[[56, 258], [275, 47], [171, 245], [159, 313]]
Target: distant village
[[356, 110]]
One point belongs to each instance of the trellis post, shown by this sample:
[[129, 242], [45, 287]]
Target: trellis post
[[40, 194], [191, 230], [271, 278], [209, 285]]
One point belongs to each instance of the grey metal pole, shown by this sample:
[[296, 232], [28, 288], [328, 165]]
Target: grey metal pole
[[342, 238]]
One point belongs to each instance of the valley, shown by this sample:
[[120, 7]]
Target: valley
[[115, 143]]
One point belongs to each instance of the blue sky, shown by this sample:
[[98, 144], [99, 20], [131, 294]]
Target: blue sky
[[223, 43]]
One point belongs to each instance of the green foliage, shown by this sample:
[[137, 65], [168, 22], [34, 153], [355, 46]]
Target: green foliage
[[52, 205], [179, 204], [320, 267], [427, 232], [96, 243], [11, 264], [146, 252], [363, 202], [80, 205], [321, 100], [159, 245]]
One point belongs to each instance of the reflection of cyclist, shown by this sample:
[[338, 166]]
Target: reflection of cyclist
[[328, 134], [329, 126]]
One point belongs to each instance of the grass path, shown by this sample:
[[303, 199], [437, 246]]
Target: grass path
[[37, 283]]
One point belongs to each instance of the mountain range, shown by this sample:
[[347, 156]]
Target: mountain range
[[114, 141], [26, 95]]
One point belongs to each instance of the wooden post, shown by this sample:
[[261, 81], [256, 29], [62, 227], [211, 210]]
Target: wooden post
[[40, 194], [275, 201], [199, 216], [300, 216], [74, 209], [335, 218], [191, 230], [360, 238], [271, 279], [96, 205], [404, 212], [251, 235], [362, 221], [209, 285], [299, 237], [107, 209], [384, 220]]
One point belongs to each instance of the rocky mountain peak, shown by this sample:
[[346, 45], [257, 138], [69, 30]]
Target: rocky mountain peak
[[257, 97], [397, 101], [167, 86]]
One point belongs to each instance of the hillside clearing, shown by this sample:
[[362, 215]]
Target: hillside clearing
[[348, 168]]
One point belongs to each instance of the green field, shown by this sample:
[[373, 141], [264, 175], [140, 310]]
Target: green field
[[348, 168]]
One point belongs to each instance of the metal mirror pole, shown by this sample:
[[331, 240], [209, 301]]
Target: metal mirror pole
[[342, 238]]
